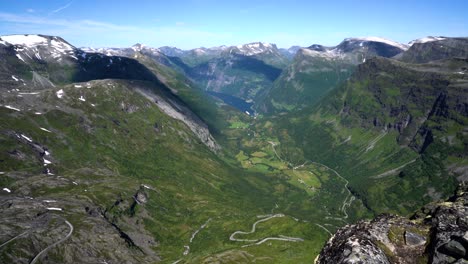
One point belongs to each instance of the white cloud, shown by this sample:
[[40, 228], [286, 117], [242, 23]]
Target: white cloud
[[61, 8], [30, 10], [97, 33]]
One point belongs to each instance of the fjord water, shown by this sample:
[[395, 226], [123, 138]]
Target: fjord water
[[234, 101]]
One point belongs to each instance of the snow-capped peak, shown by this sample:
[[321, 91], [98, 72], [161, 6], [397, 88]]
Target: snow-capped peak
[[25, 40], [381, 40], [255, 48], [138, 47], [39, 47], [37, 40], [424, 40]]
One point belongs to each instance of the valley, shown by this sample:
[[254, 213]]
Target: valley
[[233, 154]]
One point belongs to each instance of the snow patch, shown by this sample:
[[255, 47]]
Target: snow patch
[[38, 113], [54, 209], [25, 137], [7, 190], [12, 108], [59, 93], [78, 86], [82, 99], [14, 78], [27, 40], [46, 130], [47, 162], [425, 40], [381, 40], [19, 57]]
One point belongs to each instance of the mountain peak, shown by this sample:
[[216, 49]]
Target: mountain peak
[[425, 39], [254, 48], [33, 40], [138, 46], [361, 41]]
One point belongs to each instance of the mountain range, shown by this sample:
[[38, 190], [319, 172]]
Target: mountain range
[[230, 154]]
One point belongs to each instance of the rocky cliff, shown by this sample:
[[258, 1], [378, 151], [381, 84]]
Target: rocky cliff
[[438, 233]]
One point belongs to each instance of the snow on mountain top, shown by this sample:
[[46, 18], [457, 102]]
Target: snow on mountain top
[[255, 48], [138, 47], [256, 45], [327, 53], [199, 51], [62, 46], [382, 40], [27, 40], [32, 41], [424, 40]]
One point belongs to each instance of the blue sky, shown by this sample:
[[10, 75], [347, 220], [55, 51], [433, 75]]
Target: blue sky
[[196, 23]]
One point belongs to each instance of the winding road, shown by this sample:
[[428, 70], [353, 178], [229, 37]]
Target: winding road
[[12, 239], [254, 226], [257, 241], [349, 198], [187, 247], [36, 258]]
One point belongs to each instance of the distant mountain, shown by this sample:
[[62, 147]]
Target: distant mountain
[[317, 69], [290, 52], [172, 51], [431, 49], [242, 71], [425, 39]]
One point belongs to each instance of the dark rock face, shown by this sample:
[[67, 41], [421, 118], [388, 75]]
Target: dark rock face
[[450, 229], [436, 234], [413, 239], [141, 197]]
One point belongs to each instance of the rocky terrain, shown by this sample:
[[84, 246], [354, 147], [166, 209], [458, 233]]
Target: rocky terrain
[[438, 233]]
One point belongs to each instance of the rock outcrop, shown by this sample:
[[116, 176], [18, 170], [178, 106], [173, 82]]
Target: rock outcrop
[[438, 233]]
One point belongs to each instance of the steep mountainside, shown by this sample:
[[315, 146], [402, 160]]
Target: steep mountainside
[[318, 69], [397, 131], [242, 71], [166, 72], [42, 61]]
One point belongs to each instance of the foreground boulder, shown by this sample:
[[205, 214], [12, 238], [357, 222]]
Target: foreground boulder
[[438, 233]]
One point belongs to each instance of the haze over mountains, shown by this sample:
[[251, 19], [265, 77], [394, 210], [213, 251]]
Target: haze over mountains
[[231, 154]]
